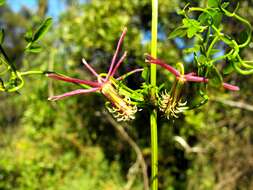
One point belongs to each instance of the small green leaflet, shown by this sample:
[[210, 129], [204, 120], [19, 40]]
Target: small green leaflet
[[190, 27], [181, 31], [212, 17], [34, 48], [145, 74], [225, 5], [32, 38], [43, 28]]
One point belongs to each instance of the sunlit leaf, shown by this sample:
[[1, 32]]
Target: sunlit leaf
[[196, 49], [202, 59], [145, 74], [225, 5], [34, 48], [212, 17], [178, 32], [43, 28], [193, 27]]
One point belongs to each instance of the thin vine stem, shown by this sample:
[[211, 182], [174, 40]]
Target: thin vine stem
[[153, 115], [32, 73]]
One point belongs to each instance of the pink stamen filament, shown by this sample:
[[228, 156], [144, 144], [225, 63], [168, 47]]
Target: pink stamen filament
[[72, 93], [129, 73], [73, 80], [116, 52], [89, 67], [118, 64]]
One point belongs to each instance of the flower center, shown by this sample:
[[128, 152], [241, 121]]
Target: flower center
[[121, 107]]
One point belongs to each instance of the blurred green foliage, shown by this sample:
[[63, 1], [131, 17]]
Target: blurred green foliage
[[71, 144]]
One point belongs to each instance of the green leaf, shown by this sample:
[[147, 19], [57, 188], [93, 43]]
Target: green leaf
[[1, 36], [202, 59], [145, 74], [34, 48], [225, 5], [178, 32], [195, 49], [205, 19], [212, 17], [2, 2], [191, 32], [215, 78], [193, 27], [43, 28], [228, 68], [213, 3]]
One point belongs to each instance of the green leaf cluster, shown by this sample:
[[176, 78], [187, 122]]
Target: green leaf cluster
[[33, 37]]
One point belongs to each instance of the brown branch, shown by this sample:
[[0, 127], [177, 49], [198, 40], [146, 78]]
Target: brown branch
[[120, 129], [42, 8], [241, 105]]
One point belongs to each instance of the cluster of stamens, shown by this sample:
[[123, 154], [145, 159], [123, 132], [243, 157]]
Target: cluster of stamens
[[122, 114], [170, 107]]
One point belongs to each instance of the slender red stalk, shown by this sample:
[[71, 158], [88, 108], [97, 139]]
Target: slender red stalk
[[73, 80], [89, 67], [116, 52], [72, 93], [190, 77], [119, 63], [129, 73], [150, 59]]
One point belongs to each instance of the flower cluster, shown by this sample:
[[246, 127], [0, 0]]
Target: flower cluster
[[122, 101]]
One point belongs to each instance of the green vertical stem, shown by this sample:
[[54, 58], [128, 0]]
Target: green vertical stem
[[153, 115]]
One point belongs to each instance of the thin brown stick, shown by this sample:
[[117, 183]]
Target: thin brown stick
[[120, 129], [235, 104]]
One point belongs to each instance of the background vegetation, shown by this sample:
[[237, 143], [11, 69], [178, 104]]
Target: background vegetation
[[73, 144]]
